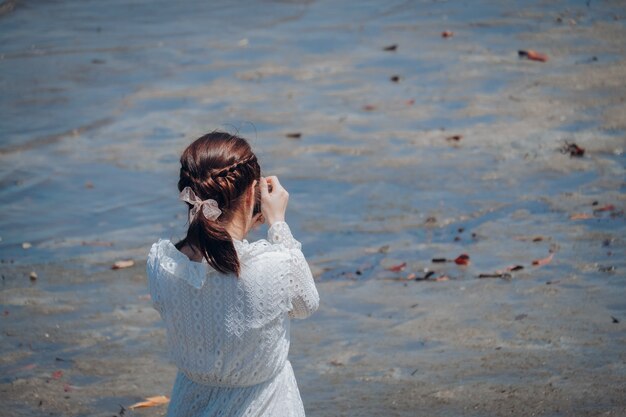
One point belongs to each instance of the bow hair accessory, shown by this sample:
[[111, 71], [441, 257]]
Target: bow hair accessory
[[209, 206]]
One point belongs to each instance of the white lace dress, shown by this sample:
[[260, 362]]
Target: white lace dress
[[229, 336]]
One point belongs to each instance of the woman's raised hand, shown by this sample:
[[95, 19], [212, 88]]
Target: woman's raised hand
[[274, 199]]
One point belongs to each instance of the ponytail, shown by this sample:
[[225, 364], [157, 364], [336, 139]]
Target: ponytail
[[215, 244]]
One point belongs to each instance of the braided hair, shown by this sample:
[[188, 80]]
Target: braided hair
[[220, 166]]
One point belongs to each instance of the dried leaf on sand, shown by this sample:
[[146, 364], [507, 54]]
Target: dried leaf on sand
[[533, 55], [544, 261], [462, 259], [151, 402], [397, 268], [123, 264]]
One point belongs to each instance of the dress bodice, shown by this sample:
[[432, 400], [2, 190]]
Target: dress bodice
[[228, 331]]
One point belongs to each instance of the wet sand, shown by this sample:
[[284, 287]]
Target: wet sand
[[100, 100], [378, 347]]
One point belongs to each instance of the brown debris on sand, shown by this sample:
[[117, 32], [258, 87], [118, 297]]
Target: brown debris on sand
[[533, 55]]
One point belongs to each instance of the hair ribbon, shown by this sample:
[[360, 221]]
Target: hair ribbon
[[209, 206]]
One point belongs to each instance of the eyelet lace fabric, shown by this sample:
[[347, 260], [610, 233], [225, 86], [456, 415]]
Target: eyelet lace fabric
[[228, 336]]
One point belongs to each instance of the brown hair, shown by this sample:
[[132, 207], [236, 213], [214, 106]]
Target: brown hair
[[220, 166]]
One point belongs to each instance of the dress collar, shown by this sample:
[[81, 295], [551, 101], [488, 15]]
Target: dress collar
[[195, 273], [240, 244], [179, 265]]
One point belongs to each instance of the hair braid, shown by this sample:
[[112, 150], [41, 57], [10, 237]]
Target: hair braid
[[222, 172]]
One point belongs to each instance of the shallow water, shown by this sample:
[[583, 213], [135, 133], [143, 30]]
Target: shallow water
[[100, 98], [107, 96]]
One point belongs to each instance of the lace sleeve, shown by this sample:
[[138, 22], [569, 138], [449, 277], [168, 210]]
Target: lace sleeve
[[304, 296], [280, 233], [153, 287]]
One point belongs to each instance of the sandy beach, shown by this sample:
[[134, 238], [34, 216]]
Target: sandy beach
[[461, 204]]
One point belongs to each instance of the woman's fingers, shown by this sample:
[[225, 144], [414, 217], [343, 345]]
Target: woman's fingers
[[274, 200], [276, 186], [257, 220], [273, 180], [263, 186]]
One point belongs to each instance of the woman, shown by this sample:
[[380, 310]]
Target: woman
[[226, 302]]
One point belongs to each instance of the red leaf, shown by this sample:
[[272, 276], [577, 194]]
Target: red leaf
[[369, 107], [454, 138], [462, 259], [533, 55], [575, 150], [537, 56], [544, 261], [397, 268], [57, 374], [447, 34], [581, 216]]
